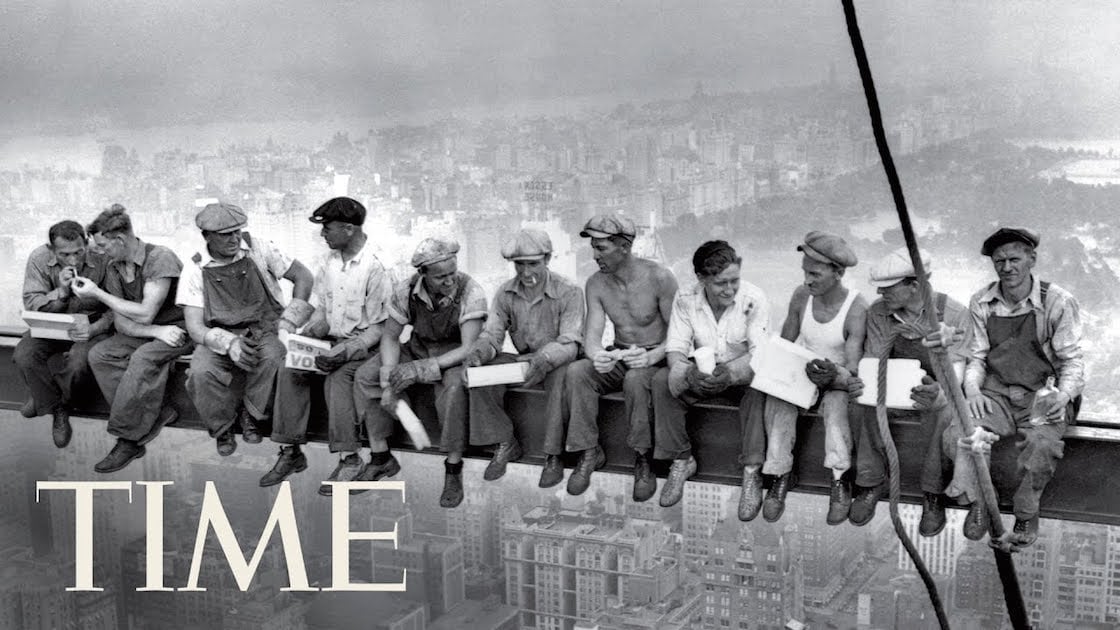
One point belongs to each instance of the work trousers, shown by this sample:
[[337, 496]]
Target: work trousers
[[585, 385], [490, 424], [781, 433], [938, 434], [132, 373], [218, 386], [53, 369], [292, 409]]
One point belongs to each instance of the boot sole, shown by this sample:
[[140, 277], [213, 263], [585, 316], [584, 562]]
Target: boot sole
[[140, 453]]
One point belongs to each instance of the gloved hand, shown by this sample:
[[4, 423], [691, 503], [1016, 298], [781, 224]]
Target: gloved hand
[[821, 372], [244, 353], [538, 370], [389, 400], [928, 395], [330, 362], [476, 357], [407, 374]]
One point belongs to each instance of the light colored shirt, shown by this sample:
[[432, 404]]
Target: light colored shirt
[[737, 332], [551, 323], [1057, 326], [351, 297], [271, 262], [472, 305]]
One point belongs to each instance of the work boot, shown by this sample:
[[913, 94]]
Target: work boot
[[60, 426], [249, 432], [123, 452], [452, 494], [507, 452], [166, 416], [933, 515], [348, 469], [552, 473], [645, 483], [291, 460], [775, 502], [1025, 531], [589, 461], [976, 522], [679, 472], [226, 443], [864, 503], [839, 502], [380, 465], [29, 409], [750, 499]]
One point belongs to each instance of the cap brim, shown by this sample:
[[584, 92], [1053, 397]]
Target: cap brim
[[316, 219], [889, 282], [815, 255], [230, 229], [589, 233], [533, 257], [432, 261]]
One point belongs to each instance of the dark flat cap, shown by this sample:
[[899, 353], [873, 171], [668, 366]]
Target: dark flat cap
[[828, 248], [220, 217], [342, 209], [608, 225], [1006, 235]]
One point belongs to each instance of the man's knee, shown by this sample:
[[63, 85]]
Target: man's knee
[[638, 382], [582, 374], [368, 374], [660, 383], [29, 352]]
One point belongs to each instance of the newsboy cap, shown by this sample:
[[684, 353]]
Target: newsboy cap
[[828, 248], [1006, 235], [528, 244], [220, 217], [896, 267], [342, 209], [608, 225], [433, 250]]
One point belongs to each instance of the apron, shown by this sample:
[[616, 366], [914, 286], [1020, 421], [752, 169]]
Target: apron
[[133, 291], [235, 297], [435, 331], [1016, 357]]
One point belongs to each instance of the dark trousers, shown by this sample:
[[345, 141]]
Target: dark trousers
[[585, 385], [218, 386], [53, 369], [871, 456], [671, 432], [132, 374], [490, 424], [292, 408], [451, 403]]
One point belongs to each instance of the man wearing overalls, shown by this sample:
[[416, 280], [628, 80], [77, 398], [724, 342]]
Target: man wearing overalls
[[900, 312], [133, 365], [231, 301], [446, 309], [1025, 330]]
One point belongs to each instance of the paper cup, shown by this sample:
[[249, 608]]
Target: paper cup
[[705, 359]]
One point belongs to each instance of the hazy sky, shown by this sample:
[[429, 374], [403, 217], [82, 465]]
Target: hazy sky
[[140, 63]]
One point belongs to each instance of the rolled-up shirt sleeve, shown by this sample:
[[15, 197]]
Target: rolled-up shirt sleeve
[[1066, 344], [978, 348], [474, 303], [494, 332], [566, 346], [679, 336], [398, 304]]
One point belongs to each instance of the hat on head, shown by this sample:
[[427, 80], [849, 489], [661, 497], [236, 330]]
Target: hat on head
[[896, 267], [608, 225], [433, 250], [342, 209], [528, 244], [1006, 235], [828, 248], [220, 217]]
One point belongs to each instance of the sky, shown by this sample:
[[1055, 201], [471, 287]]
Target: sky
[[135, 64]]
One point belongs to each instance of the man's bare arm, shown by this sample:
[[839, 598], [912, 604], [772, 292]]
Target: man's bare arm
[[142, 312], [596, 318], [791, 328]]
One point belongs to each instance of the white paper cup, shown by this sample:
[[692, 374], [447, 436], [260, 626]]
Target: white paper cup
[[705, 359]]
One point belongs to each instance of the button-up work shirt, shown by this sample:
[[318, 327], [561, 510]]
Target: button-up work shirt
[[882, 323], [472, 305], [1057, 326], [552, 321], [41, 290], [271, 262], [351, 296], [737, 332]]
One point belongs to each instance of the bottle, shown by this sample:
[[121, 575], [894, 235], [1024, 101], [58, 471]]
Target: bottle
[[1042, 400]]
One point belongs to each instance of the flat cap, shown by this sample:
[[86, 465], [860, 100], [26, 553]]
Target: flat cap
[[220, 217], [528, 244], [1006, 235], [608, 225], [342, 209], [896, 267], [828, 248], [433, 250]]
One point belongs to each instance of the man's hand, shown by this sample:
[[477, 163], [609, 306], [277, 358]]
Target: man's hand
[[1058, 407], [695, 378], [635, 358], [330, 362], [286, 326], [854, 387], [538, 370], [475, 358], [944, 338], [719, 380], [928, 395], [79, 331], [83, 287], [407, 374], [389, 400], [65, 279], [171, 335], [603, 361], [243, 353], [317, 330], [821, 372], [979, 405]]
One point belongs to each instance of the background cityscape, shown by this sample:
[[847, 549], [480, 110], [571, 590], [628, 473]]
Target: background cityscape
[[741, 121]]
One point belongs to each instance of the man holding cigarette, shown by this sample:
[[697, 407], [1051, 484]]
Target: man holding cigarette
[[446, 309], [637, 295], [543, 313], [233, 306], [51, 368], [350, 292]]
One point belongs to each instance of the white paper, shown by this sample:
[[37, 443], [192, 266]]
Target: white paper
[[53, 325], [779, 370]]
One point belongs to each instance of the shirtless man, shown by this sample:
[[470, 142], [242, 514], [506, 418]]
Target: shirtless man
[[829, 319], [637, 295]]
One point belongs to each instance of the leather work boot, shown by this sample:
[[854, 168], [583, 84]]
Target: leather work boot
[[291, 460], [1025, 531], [775, 502], [933, 515], [589, 461], [976, 522], [226, 443], [122, 454], [60, 426], [167, 416], [375, 472], [452, 494], [839, 502], [645, 483], [750, 499], [552, 473], [507, 452], [249, 433], [347, 469], [29, 409], [864, 503], [679, 472]]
